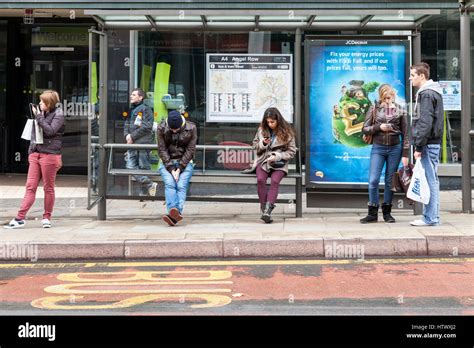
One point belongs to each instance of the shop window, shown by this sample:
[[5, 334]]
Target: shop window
[[440, 48]]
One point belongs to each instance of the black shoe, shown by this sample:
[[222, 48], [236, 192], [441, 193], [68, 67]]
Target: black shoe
[[372, 215], [169, 220], [386, 210], [267, 213]]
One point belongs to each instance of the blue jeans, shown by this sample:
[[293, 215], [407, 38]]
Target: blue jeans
[[175, 192], [430, 160], [389, 155], [140, 160]]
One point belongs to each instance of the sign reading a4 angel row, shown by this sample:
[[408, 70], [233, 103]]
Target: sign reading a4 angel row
[[240, 87]]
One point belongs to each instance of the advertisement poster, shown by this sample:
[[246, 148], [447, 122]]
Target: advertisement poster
[[451, 95], [342, 83], [240, 87]]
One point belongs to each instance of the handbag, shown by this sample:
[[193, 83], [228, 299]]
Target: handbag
[[369, 138], [38, 133], [278, 164], [401, 179], [27, 130]]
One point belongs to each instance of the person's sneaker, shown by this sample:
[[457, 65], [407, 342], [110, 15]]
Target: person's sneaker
[[169, 220], [46, 223], [421, 223], [175, 215], [152, 189], [15, 224]]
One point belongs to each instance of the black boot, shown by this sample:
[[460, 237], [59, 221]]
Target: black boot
[[262, 208], [372, 215], [267, 213], [386, 210]]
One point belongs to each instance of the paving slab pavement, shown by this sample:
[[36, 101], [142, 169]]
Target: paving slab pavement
[[134, 230]]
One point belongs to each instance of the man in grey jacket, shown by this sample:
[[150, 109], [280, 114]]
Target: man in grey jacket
[[427, 134], [138, 129]]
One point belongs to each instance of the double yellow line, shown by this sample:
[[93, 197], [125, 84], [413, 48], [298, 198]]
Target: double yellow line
[[60, 265]]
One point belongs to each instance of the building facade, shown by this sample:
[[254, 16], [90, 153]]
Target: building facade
[[47, 45]]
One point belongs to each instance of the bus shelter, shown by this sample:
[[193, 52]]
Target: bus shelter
[[169, 53]]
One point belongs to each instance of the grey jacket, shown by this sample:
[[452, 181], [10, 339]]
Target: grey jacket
[[428, 118], [139, 124], [282, 151], [52, 124]]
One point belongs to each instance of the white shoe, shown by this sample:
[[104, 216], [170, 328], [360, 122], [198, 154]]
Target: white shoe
[[421, 223], [152, 189], [46, 223], [15, 224]]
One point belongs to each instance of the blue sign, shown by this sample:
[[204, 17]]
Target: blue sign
[[342, 84]]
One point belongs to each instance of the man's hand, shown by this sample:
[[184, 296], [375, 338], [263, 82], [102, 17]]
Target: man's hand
[[417, 155], [175, 174], [405, 161], [129, 139]]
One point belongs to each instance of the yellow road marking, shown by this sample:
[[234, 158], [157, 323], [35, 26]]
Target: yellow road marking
[[54, 302], [148, 276], [128, 283], [231, 263], [73, 289]]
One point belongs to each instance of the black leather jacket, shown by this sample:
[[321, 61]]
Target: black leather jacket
[[376, 116], [428, 118]]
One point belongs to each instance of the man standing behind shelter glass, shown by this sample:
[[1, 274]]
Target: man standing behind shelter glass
[[138, 129], [427, 134]]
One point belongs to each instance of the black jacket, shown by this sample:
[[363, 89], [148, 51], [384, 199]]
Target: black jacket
[[428, 118], [176, 146]]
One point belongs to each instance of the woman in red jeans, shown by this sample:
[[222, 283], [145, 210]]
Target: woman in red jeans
[[44, 159]]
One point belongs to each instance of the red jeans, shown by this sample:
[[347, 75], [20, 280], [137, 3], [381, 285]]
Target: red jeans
[[43, 166]]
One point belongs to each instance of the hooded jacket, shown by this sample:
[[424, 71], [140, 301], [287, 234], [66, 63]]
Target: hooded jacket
[[428, 118]]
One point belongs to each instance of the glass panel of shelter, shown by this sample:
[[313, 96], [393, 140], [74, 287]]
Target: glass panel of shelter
[[185, 54]]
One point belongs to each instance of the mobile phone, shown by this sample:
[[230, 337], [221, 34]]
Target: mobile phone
[[32, 114]]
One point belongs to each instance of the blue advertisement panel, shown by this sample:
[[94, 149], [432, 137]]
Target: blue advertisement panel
[[342, 83]]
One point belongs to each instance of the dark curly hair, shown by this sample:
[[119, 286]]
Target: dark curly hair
[[284, 131]]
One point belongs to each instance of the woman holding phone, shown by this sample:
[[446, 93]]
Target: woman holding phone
[[275, 145], [386, 121], [44, 159]]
